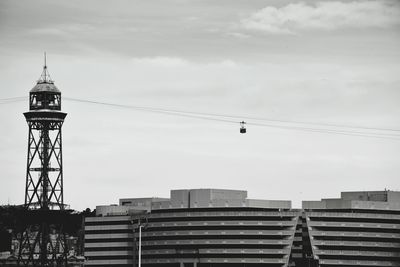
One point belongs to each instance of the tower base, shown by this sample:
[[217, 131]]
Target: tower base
[[43, 238]]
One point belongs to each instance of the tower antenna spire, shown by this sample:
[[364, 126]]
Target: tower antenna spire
[[45, 68], [45, 77]]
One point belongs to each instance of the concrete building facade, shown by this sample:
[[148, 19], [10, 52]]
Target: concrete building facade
[[212, 227], [359, 229]]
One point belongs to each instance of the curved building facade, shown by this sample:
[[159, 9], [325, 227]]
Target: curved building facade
[[210, 227], [216, 237], [359, 229]]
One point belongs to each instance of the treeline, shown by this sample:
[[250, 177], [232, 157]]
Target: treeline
[[14, 219]]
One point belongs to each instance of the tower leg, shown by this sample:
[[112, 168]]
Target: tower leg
[[43, 241]]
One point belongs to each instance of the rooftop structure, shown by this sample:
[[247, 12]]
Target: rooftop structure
[[191, 198], [373, 200]]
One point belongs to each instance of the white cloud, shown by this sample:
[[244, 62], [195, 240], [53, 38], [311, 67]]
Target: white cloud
[[239, 35], [47, 31], [329, 15], [161, 61], [66, 30]]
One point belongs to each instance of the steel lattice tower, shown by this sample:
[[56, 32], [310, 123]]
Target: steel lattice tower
[[42, 241]]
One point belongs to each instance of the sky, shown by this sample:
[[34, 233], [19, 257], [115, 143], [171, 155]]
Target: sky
[[323, 62]]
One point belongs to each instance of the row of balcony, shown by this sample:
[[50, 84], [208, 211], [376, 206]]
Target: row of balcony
[[358, 253], [358, 262], [377, 216], [318, 233], [355, 225]]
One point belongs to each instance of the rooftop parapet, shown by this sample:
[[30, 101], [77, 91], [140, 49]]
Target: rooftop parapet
[[373, 200], [382, 196], [116, 210], [225, 203], [198, 198], [141, 202]]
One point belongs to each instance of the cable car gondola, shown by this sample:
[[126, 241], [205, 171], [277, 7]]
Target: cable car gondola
[[242, 127]]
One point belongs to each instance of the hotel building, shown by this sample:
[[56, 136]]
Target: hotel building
[[218, 228]]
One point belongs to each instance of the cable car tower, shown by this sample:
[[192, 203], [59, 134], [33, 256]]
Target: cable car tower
[[42, 240]]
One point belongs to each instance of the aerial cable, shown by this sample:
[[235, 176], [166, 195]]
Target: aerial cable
[[214, 117], [236, 119], [234, 116], [244, 117], [329, 131], [202, 116], [155, 110], [295, 122], [12, 100], [324, 129], [276, 120]]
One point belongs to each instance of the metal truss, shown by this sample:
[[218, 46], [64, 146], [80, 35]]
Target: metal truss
[[44, 177], [42, 237]]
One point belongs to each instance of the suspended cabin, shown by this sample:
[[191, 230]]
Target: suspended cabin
[[242, 127]]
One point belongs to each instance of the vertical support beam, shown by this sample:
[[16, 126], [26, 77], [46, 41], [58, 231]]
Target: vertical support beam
[[61, 166], [45, 165], [140, 245], [28, 164], [133, 244], [43, 244]]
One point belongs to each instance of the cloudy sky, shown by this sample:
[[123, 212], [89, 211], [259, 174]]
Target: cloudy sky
[[323, 62]]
